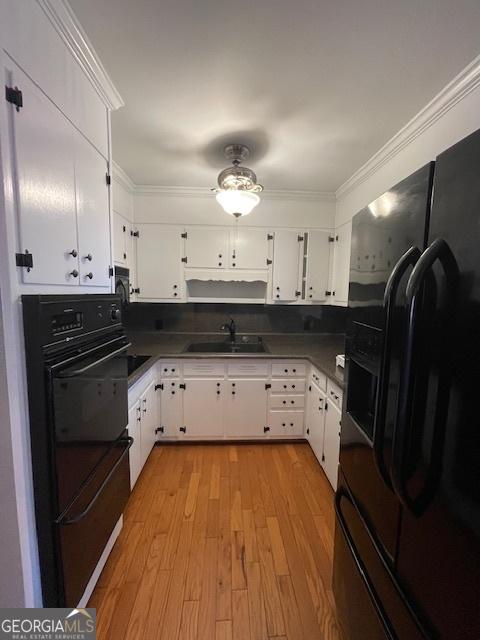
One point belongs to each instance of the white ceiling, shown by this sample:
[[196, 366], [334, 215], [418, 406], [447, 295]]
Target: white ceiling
[[316, 87]]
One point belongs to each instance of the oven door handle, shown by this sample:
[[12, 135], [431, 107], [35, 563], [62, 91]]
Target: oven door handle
[[65, 521], [109, 356]]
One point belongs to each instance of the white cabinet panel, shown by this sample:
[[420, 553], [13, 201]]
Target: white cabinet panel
[[93, 218], [287, 402], [207, 248], [247, 368], [148, 424], [288, 369], [331, 445], [248, 249], [159, 266], [246, 408], [203, 407], [119, 240], [135, 453], [315, 421], [203, 368], [287, 251], [288, 386], [341, 263], [318, 258], [171, 407], [44, 160]]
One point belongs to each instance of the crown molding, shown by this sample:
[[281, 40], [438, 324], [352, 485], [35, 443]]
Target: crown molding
[[463, 84], [204, 192], [71, 31], [122, 177]]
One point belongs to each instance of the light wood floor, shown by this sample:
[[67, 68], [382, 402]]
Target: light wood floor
[[223, 543]]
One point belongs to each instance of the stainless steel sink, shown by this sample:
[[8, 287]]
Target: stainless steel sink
[[240, 346]]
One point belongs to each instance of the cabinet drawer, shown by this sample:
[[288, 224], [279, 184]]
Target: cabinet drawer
[[203, 368], [334, 393], [169, 369], [287, 402], [288, 386], [286, 423], [288, 369], [247, 368], [320, 379]]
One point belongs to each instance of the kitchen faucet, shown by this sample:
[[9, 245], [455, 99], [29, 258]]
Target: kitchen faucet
[[232, 327]]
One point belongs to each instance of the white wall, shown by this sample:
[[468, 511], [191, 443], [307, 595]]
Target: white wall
[[273, 211], [451, 116]]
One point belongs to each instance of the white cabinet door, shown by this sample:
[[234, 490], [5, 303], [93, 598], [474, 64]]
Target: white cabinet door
[[148, 425], [248, 249], [316, 421], [331, 445], [203, 407], [119, 239], [44, 156], [341, 263], [246, 408], [135, 453], [159, 266], [286, 263], [207, 248], [93, 218], [318, 257], [171, 407]]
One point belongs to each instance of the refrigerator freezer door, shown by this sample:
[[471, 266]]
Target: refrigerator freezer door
[[439, 545]]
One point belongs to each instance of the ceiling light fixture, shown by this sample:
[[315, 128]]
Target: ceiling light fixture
[[237, 190]]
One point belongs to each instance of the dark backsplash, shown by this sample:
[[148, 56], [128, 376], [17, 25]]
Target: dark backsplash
[[250, 318]]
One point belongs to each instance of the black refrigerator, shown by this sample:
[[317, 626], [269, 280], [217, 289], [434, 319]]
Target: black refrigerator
[[407, 538]]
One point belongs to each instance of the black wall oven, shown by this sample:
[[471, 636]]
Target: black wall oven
[[78, 397]]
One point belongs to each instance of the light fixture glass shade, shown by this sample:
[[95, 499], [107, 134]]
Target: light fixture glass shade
[[237, 202]]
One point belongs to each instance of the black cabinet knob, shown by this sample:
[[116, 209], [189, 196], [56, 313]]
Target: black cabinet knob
[[278, 288], [233, 264], [233, 393], [175, 286], [89, 275], [219, 264], [278, 295], [88, 257], [175, 294], [284, 402], [74, 253], [218, 384], [74, 273], [218, 393]]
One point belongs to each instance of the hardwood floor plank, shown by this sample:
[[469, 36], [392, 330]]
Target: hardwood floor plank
[[236, 522], [208, 598], [290, 609], [278, 549], [223, 630], [213, 513], [250, 536], [215, 482], [194, 578], [224, 576], [189, 620], [157, 605], [256, 602], [241, 618], [239, 573], [273, 609], [192, 493]]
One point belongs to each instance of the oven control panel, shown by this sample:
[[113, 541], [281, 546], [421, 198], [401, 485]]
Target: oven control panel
[[66, 321]]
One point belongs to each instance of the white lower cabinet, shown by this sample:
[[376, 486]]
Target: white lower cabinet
[[246, 408], [283, 424], [148, 420], [135, 453], [331, 445], [171, 407], [203, 408], [323, 426]]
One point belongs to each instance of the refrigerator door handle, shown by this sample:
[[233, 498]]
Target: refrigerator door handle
[[408, 259], [438, 250]]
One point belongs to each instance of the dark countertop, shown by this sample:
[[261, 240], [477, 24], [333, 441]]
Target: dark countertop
[[319, 349]]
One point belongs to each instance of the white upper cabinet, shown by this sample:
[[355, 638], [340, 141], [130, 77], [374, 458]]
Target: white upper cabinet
[[287, 253], [44, 167], [93, 217], [248, 249], [318, 254], [206, 248], [159, 262], [120, 239], [341, 264]]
